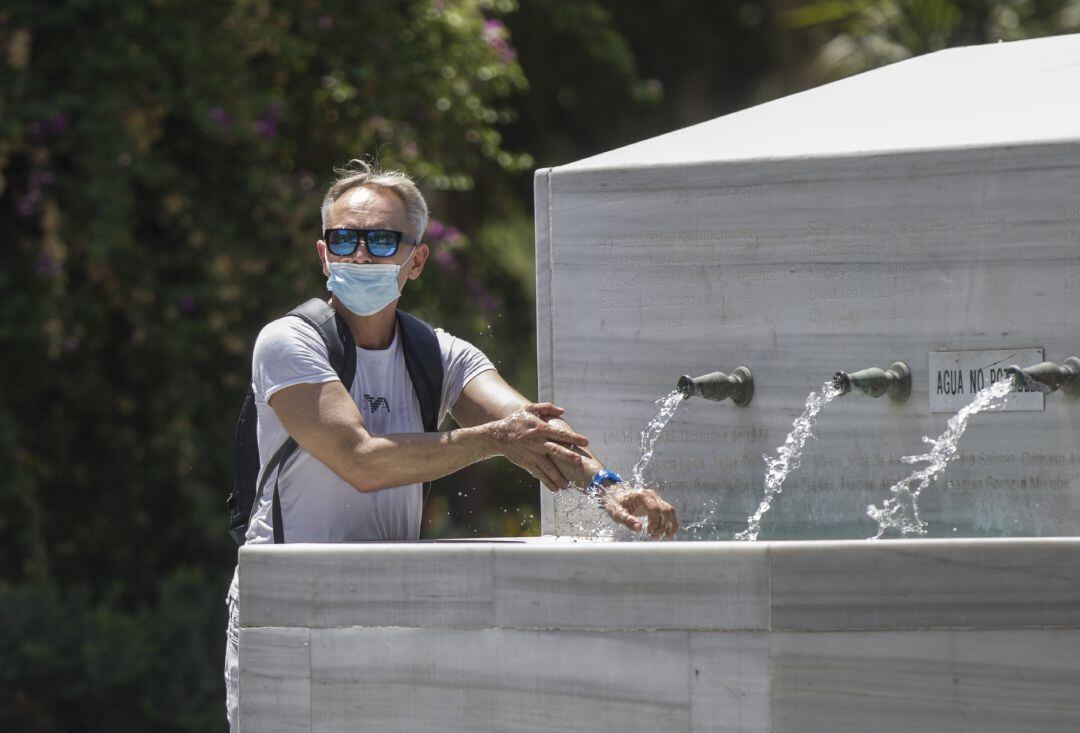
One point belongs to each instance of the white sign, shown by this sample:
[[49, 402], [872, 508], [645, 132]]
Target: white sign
[[956, 376]]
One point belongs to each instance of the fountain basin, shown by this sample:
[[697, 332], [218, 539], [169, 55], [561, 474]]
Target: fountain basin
[[551, 634]]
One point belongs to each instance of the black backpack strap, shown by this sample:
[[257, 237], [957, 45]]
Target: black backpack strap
[[340, 346], [423, 360], [273, 466], [335, 334]]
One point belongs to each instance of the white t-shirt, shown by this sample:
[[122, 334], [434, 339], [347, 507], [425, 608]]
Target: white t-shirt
[[316, 504]]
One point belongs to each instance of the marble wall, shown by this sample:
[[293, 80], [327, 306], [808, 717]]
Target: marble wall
[[573, 635], [886, 236]]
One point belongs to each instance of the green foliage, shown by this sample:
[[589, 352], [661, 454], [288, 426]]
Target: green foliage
[[71, 664], [162, 182], [161, 169], [857, 35]]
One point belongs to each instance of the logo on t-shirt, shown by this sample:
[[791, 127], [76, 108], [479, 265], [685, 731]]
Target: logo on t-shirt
[[374, 404]]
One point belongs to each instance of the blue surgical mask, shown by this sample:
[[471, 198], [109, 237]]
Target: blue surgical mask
[[364, 289]]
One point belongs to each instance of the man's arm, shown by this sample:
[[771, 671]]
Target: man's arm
[[488, 397], [324, 421]]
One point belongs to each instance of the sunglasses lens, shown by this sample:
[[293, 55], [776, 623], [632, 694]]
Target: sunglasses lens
[[342, 242], [382, 242]]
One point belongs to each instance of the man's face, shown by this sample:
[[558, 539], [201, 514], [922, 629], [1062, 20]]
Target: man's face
[[374, 208]]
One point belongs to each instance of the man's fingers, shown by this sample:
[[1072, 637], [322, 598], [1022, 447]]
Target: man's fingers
[[555, 450], [661, 515], [554, 471], [566, 437], [654, 526], [671, 525], [543, 409], [623, 517], [542, 477], [550, 474]]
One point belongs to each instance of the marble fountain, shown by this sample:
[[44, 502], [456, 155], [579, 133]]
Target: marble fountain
[[927, 212]]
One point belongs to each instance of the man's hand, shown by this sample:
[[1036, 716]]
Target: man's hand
[[526, 438], [625, 505]]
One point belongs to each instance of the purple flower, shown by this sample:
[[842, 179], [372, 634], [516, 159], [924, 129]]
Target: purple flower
[[39, 179], [221, 117], [26, 205], [46, 266], [479, 294], [445, 259], [71, 343], [452, 235], [435, 229], [497, 36], [58, 122], [266, 128], [55, 124], [187, 305]]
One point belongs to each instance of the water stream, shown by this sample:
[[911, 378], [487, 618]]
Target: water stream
[[788, 456], [901, 510], [667, 407]]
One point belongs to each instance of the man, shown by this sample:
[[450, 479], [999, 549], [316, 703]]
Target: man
[[362, 453]]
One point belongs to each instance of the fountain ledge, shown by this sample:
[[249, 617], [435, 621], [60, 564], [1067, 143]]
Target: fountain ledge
[[571, 634]]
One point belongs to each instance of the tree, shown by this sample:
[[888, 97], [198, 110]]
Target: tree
[[851, 36], [162, 165]]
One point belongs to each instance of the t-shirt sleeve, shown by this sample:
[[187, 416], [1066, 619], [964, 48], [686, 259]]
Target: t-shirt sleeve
[[461, 362], [288, 351]]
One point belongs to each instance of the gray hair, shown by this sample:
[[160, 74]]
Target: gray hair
[[360, 173]]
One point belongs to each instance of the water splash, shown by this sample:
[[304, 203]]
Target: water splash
[[581, 515], [704, 527], [667, 407], [901, 510], [788, 456], [581, 508]]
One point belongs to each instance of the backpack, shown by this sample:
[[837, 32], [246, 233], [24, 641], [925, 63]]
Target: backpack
[[423, 360]]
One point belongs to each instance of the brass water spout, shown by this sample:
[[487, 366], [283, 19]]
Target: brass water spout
[[739, 386], [894, 381], [1049, 377]]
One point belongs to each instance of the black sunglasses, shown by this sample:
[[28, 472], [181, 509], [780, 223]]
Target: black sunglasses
[[378, 242]]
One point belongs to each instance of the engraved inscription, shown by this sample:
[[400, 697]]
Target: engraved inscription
[[886, 238], [956, 376], [1072, 273], [674, 435]]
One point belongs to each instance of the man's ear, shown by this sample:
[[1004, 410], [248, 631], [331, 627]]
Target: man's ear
[[416, 264], [320, 248]]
